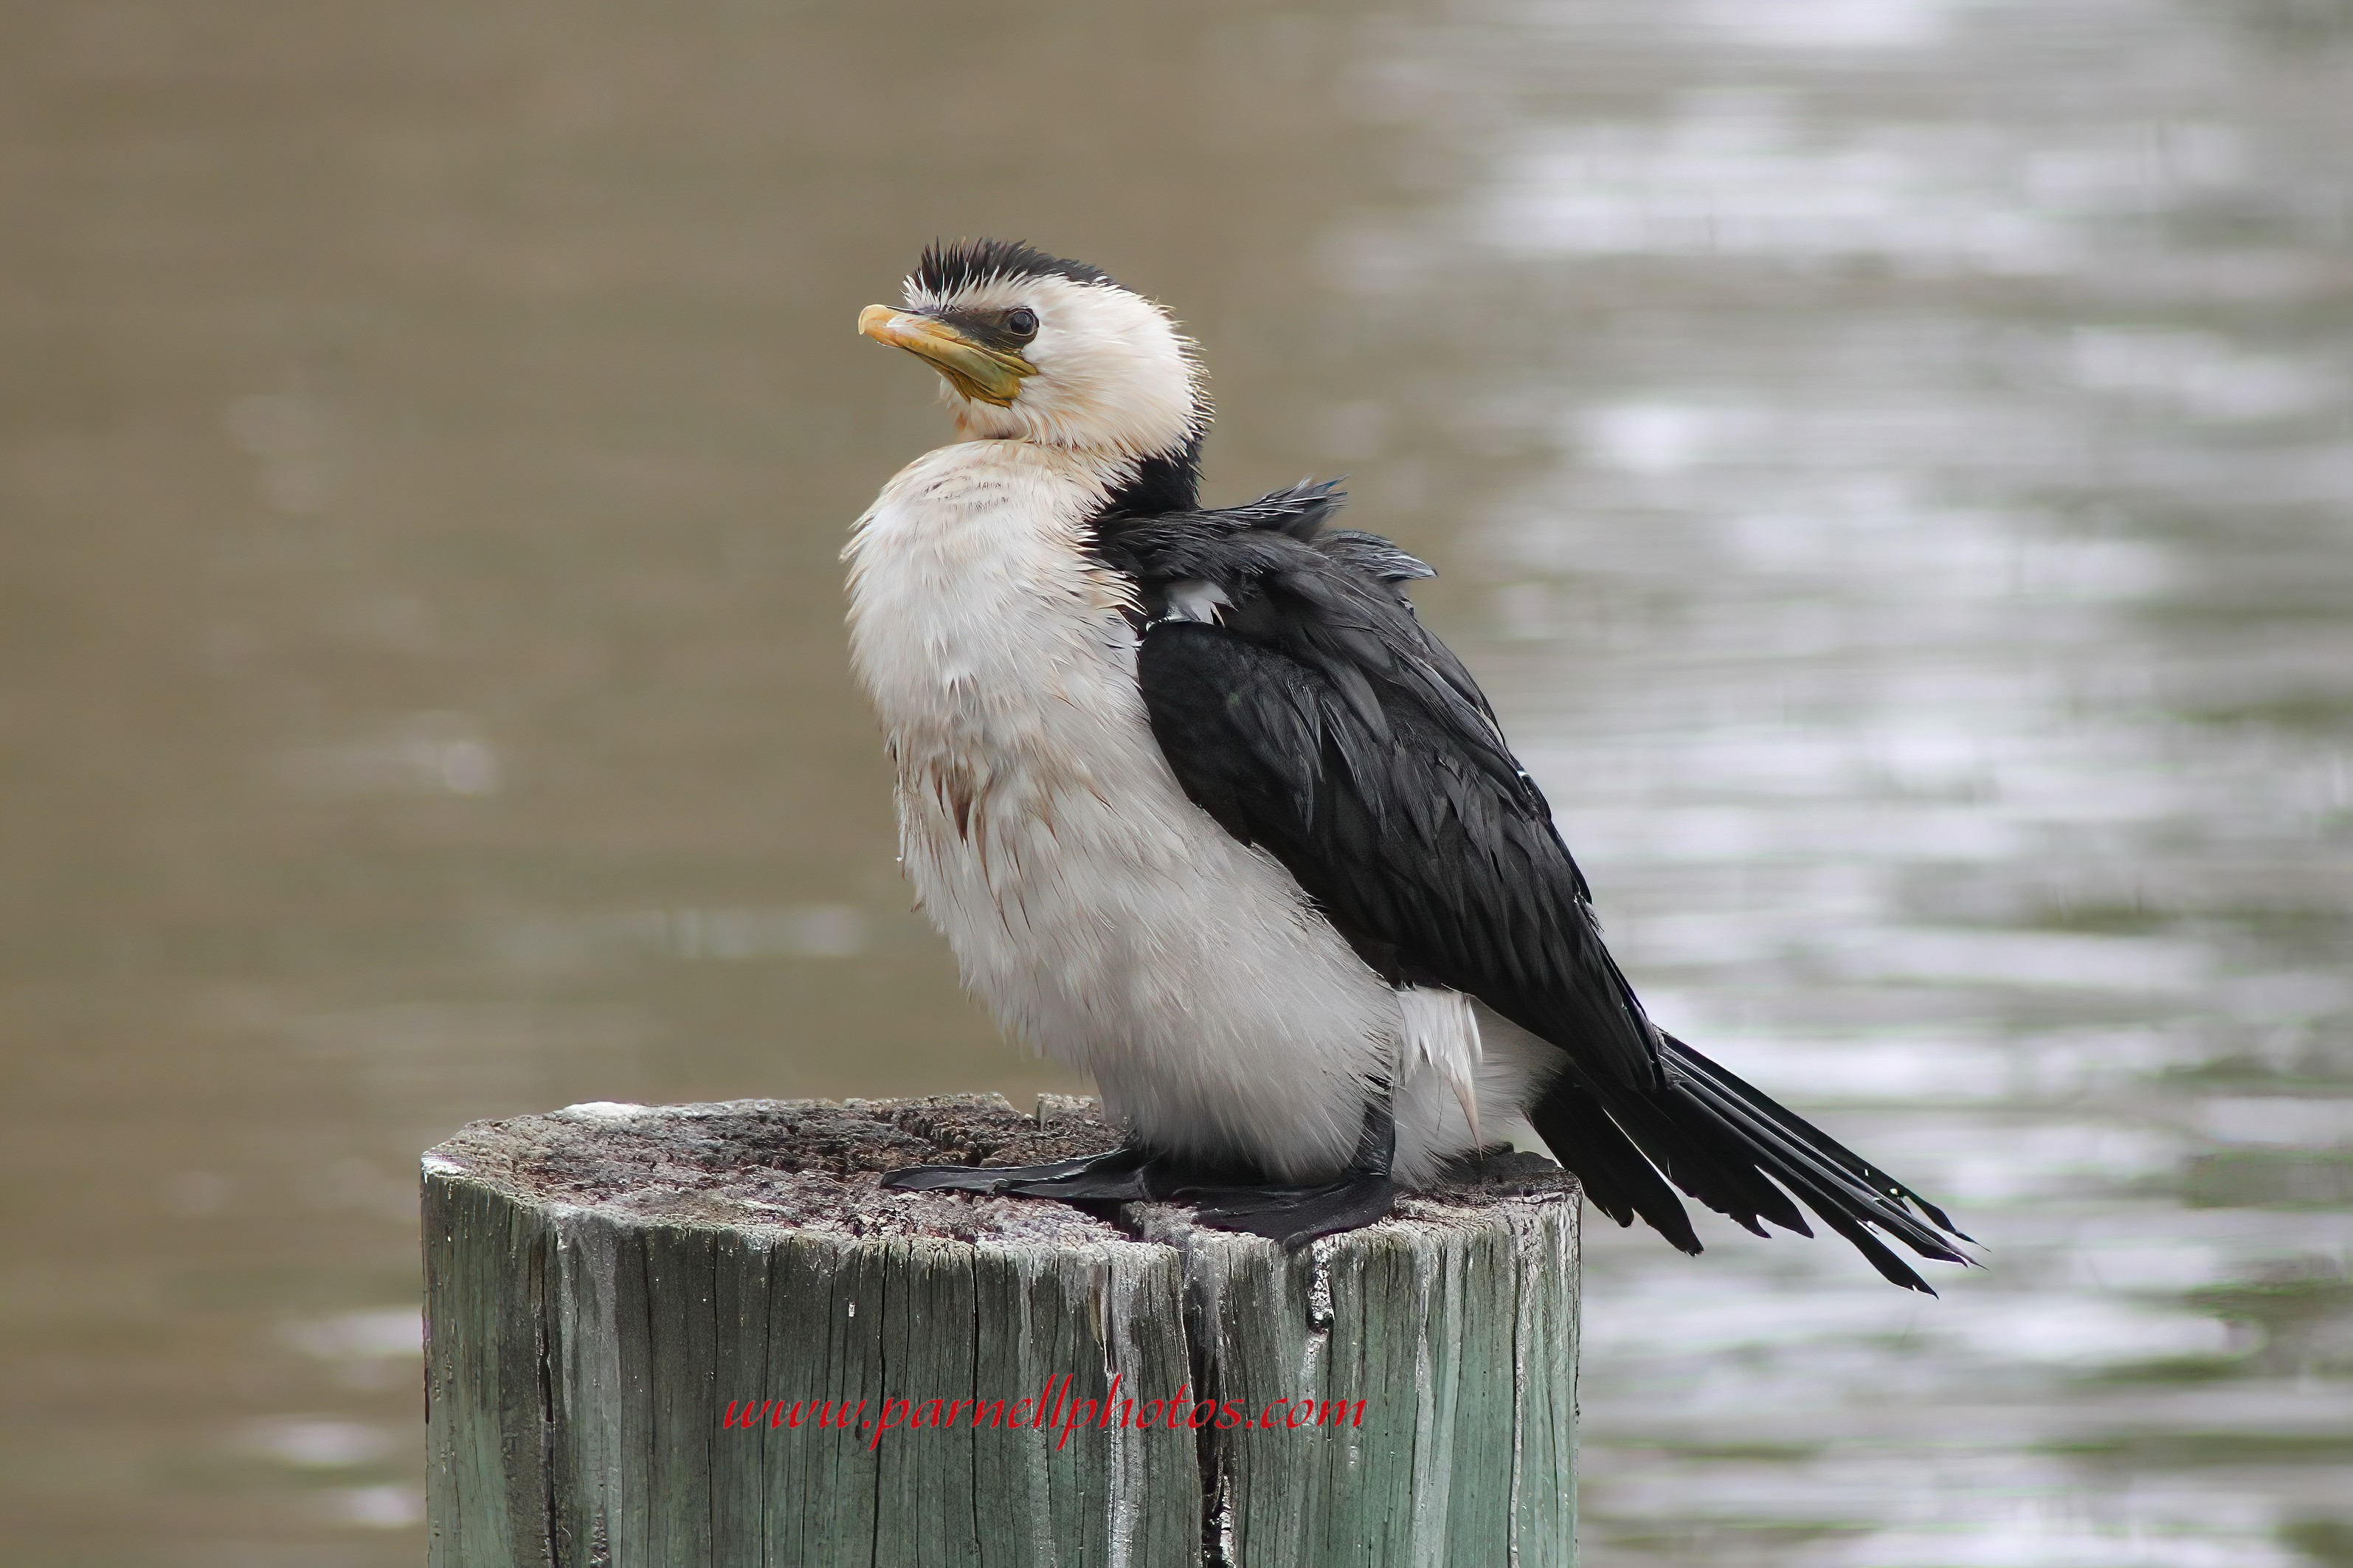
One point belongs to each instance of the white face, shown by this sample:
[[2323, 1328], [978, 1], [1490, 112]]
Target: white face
[[1107, 369]]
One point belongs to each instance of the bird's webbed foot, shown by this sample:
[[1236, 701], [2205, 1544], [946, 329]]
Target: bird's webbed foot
[[1289, 1213], [1294, 1215], [1116, 1176]]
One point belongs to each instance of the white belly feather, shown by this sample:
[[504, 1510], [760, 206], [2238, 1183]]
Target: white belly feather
[[1105, 919]]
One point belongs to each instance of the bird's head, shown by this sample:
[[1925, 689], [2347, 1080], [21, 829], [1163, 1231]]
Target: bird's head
[[1039, 349]]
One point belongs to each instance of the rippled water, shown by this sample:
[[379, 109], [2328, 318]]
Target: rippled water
[[1930, 548], [1892, 461]]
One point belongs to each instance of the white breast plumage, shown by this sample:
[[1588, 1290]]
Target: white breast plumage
[[1101, 917]]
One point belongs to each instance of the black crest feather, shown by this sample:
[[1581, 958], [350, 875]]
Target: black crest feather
[[946, 269]]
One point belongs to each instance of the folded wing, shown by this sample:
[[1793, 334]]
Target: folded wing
[[1302, 705]]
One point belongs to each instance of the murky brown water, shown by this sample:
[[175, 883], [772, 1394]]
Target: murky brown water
[[1892, 460]]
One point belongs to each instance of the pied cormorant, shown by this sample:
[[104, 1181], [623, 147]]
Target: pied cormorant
[[1208, 814]]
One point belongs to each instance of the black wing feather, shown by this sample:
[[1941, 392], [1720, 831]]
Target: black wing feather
[[1320, 722], [1415, 852]]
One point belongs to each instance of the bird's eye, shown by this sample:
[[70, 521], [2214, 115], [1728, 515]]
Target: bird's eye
[[1021, 323]]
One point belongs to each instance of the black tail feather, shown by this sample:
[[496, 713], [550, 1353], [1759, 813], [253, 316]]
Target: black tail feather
[[1879, 1181], [1787, 1158], [1838, 1202], [1719, 1171], [1617, 1180], [1735, 1150], [1892, 1269]]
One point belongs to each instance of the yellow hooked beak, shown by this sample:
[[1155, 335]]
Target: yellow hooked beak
[[981, 373]]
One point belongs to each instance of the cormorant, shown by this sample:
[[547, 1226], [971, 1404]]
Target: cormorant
[[1208, 814]]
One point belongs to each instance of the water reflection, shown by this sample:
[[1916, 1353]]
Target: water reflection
[[1890, 458]]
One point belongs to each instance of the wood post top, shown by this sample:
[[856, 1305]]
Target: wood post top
[[815, 1165]]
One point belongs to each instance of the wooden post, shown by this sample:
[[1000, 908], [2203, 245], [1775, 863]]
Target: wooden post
[[644, 1326]]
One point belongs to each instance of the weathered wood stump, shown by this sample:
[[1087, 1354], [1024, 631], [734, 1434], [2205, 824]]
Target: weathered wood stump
[[690, 1335]]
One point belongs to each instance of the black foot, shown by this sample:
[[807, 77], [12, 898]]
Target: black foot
[[1117, 1176], [1294, 1216], [1222, 1199]]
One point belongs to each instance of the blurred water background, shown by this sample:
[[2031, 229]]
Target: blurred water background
[[1891, 460]]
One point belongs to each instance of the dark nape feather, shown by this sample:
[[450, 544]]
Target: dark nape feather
[[949, 268], [1139, 533], [1319, 721], [1164, 484]]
